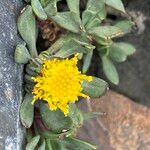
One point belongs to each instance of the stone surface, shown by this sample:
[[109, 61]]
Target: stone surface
[[11, 133], [135, 73], [125, 126]]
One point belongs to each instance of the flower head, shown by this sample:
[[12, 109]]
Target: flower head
[[59, 83]]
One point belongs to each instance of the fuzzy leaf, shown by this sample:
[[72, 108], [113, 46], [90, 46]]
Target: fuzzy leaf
[[116, 53], [95, 11], [125, 26], [54, 120], [76, 115], [92, 24], [33, 143], [21, 54], [51, 8], [67, 20], [38, 9], [106, 32], [127, 48], [95, 88], [27, 29], [44, 3], [57, 45], [87, 61], [117, 4], [75, 144], [57, 145], [48, 145], [74, 6], [27, 111], [42, 146], [72, 47], [110, 70]]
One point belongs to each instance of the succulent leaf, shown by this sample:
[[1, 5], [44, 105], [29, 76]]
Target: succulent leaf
[[27, 111], [87, 61], [110, 70], [95, 88], [67, 20], [106, 32], [27, 29], [54, 120], [38, 9], [22, 54], [51, 8], [117, 4], [125, 26], [42, 146], [33, 143]]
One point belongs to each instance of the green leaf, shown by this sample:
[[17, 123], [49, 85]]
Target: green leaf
[[48, 145], [117, 4], [44, 3], [57, 45], [106, 32], [51, 8], [27, 29], [72, 47], [95, 12], [75, 144], [93, 23], [125, 26], [87, 61], [119, 51], [55, 120], [110, 70], [116, 53], [95, 88], [67, 20], [27, 111], [38, 9], [76, 115], [57, 145], [21, 54], [127, 48], [42, 146], [74, 6], [33, 143], [91, 115]]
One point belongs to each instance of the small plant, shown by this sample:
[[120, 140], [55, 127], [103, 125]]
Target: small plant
[[53, 79]]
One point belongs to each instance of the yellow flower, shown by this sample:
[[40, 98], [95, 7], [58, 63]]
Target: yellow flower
[[59, 83]]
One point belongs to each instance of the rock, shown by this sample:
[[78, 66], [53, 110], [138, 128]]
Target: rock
[[11, 132], [135, 72], [125, 126]]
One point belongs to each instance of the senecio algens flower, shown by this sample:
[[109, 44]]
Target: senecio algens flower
[[59, 83]]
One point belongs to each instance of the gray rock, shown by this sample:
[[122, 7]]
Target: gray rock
[[135, 72], [11, 131]]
